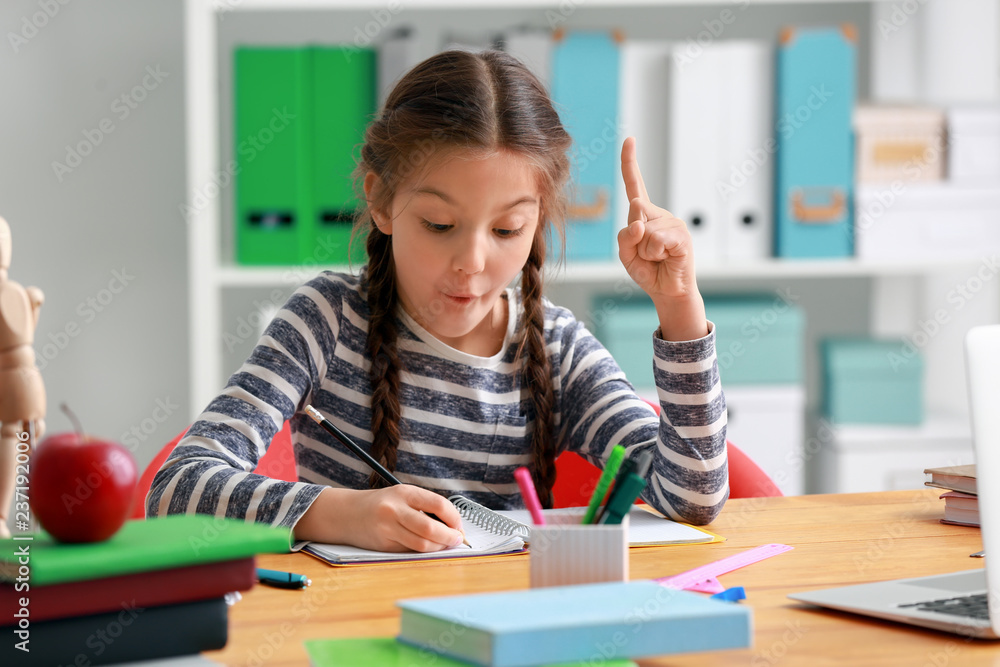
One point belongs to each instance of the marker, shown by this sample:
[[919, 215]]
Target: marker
[[523, 477], [627, 489], [610, 470], [280, 579]]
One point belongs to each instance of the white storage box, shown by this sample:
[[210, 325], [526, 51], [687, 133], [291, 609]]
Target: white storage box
[[767, 423], [926, 220], [857, 459], [899, 144], [974, 145]]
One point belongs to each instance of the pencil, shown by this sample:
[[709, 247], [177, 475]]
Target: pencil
[[346, 441]]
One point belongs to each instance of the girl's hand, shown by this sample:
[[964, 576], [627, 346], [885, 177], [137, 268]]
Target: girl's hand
[[656, 250], [656, 247], [389, 519]]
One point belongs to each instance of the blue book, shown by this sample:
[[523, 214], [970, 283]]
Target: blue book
[[572, 623]]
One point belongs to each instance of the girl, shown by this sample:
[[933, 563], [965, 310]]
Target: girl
[[428, 357]]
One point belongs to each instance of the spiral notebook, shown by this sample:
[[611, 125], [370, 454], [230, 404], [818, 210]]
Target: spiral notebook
[[492, 532], [487, 532]]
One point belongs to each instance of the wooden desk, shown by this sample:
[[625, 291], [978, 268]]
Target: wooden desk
[[838, 540]]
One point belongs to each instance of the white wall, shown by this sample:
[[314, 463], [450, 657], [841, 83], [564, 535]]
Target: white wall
[[114, 349]]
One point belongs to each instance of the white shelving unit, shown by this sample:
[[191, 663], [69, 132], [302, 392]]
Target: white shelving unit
[[903, 294]]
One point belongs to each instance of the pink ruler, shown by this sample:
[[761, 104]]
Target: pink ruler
[[703, 579]]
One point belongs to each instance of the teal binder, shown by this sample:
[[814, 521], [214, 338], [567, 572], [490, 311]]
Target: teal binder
[[343, 104], [585, 72], [814, 170], [300, 116], [271, 101]]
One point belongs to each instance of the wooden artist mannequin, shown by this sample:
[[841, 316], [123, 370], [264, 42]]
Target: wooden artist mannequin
[[22, 394]]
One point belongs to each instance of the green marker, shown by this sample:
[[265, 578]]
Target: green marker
[[610, 470]]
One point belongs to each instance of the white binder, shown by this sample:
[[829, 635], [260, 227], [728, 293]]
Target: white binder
[[643, 102], [397, 55], [698, 100], [533, 47], [748, 160]]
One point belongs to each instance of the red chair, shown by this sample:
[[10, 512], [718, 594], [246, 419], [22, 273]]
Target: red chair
[[278, 462], [575, 476]]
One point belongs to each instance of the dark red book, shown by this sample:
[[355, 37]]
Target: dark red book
[[140, 589]]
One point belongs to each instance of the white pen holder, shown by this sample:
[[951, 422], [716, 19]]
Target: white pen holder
[[564, 552]]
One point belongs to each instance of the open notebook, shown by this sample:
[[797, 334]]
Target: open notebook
[[492, 532]]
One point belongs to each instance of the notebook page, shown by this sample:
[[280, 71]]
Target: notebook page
[[480, 541]]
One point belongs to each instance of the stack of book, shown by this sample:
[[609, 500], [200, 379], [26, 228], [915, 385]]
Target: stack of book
[[961, 503], [157, 588]]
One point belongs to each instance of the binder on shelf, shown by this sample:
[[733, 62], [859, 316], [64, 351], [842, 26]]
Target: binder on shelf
[[343, 105], [271, 102], [814, 171], [585, 71], [299, 113], [643, 99], [533, 47], [397, 55], [696, 113], [748, 165]]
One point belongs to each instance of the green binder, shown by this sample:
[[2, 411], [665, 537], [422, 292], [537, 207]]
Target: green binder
[[271, 103], [300, 115], [343, 105]]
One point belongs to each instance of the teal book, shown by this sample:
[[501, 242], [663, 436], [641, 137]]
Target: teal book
[[387, 652], [573, 623], [141, 545]]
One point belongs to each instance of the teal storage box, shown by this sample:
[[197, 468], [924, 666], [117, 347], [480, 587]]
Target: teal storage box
[[869, 381], [626, 329], [814, 169], [758, 338]]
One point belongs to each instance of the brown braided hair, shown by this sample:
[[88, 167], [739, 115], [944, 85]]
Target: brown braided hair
[[482, 102]]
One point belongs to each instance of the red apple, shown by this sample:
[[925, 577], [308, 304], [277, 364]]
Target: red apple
[[81, 488]]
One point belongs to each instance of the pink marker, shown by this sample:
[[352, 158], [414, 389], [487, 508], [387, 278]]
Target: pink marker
[[523, 477]]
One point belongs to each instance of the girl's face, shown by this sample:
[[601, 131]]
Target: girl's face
[[461, 233]]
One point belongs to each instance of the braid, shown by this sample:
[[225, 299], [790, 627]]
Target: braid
[[381, 349], [537, 375]]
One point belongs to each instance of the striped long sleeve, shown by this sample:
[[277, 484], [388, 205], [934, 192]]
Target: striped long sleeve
[[465, 420]]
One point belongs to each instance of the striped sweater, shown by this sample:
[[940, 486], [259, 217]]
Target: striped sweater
[[465, 422]]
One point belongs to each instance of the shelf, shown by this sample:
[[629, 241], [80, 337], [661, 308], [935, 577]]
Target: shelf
[[595, 272], [222, 6], [938, 430], [581, 272]]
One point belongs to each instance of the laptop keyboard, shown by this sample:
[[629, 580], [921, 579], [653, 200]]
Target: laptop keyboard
[[970, 606]]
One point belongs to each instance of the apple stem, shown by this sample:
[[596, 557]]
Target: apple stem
[[72, 417]]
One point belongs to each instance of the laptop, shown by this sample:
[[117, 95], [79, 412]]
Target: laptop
[[967, 602]]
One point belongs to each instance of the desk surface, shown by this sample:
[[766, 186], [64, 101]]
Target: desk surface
[[838, 540]]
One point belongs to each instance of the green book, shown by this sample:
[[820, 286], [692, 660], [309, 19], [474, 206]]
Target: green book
[[386, 651], [141, 545]]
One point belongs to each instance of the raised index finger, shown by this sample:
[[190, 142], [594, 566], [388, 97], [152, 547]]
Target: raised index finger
[[634, 187]]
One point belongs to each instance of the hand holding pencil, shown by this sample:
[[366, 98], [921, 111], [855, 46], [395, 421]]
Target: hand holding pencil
[[395, 518]]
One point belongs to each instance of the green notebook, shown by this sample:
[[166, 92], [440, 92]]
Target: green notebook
[[140, 545], [387, 652]]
